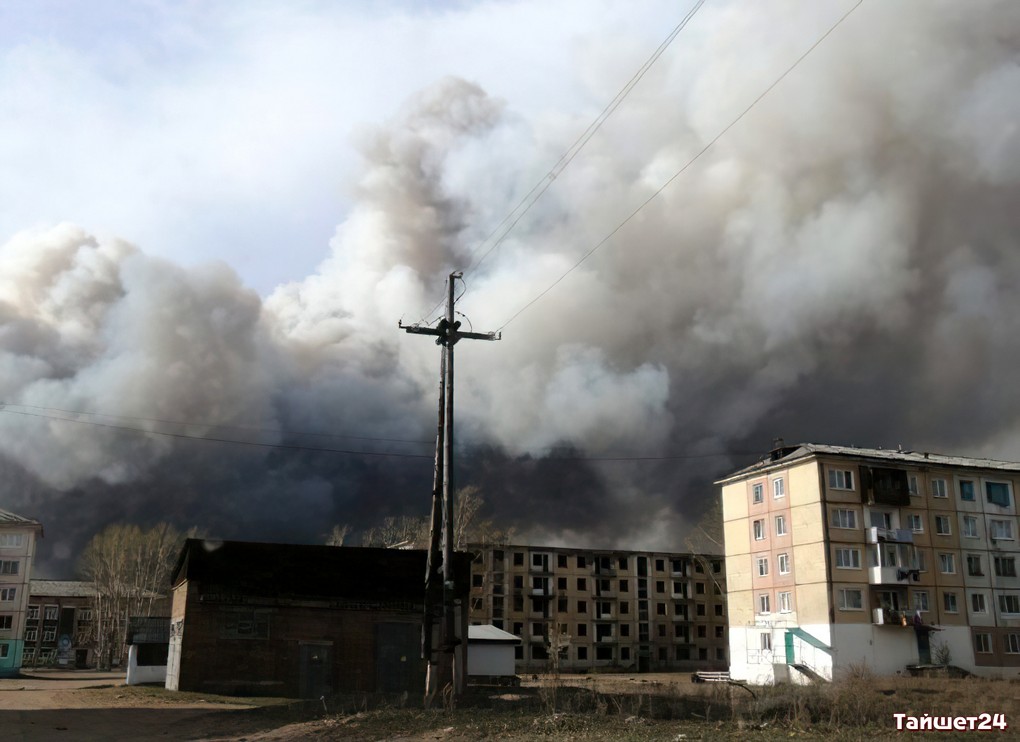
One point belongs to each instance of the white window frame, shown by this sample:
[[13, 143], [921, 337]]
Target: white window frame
[[844, 604], [758, 526], [763, 566], [778, 489], [12, 540], [10, 567], [33, 613], [765, 642], [781, 525], [916, 522], [970, 527], [7, 618], [1012, 600], [757, 493], [921, 601], [32, 634], [1007, 528], [764, 604], [981, 569], [982, 643], [841, 479], [785, 602], [939, 489], [978, 604], [49, 635], [784, 563], [912, 486], [1011, 643], [50, 613], [947, 560], [1004, 560], [949, 599], [844, 515], [850, 558], [943, 521], [8, 594]]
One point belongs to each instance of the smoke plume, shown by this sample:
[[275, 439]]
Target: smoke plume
[[839, 267]]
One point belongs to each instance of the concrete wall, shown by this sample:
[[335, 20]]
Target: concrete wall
[[139, 674], [490, 659]]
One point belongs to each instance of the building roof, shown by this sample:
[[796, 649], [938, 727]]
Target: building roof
[[9, 518], [61, 588], [786, 455], [297, 571], [491, 635]]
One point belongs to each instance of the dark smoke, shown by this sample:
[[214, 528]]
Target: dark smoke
[[840, 267]]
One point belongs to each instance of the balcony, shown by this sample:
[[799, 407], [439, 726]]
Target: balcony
[[892, 575], [542, 592], [889, 617], [877, 535]]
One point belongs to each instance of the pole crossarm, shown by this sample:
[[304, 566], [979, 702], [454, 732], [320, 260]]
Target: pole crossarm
[[447, 336]]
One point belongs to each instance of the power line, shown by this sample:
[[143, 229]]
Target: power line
[[517, 213], [194, 423], [320, 449], [679, 172]]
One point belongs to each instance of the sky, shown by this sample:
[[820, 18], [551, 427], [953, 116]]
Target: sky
[[214, 215]]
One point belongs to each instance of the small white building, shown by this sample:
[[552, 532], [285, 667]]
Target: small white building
[[491, 653]]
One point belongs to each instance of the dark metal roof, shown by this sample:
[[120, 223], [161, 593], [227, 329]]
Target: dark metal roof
[[315, 572], [61, 589], [148, 630]]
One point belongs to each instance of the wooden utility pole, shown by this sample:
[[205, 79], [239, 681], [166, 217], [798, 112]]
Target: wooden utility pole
[[439, 577]]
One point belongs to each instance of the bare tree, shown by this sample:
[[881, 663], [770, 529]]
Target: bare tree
[[403, 532], [337, 535], [129, 569]]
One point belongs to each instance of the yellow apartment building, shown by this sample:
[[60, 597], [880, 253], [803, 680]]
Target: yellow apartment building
[[837, 556], [17, 551]]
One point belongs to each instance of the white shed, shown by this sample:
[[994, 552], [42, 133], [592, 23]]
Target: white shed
[[491, 652]]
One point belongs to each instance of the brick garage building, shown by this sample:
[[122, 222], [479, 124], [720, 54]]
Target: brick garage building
[[300, 621]]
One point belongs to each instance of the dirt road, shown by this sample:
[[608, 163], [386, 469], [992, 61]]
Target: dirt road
[[85, 705]]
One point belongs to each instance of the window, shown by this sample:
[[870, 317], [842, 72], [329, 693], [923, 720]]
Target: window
[[582, 629], [949, 602], [624, 587], [699, 609], [921, 600], [31, 635], [921, 561], [7, 594], [1005, 566], [561, 583], [758, 493], [561, 561], [624, 608], [5, 650], [759, 530], [848, 558], [581, 563], [582, 606], [785, 603], [476, 580], [518, 558], [763, 603], [9, 567], [983, 643], [1001, 529], [537, 560], [49, 635], [12, 540], [6, 622], [622, 562], [1009, 603], [841, 479], [997, 493], [970, 526], [33, 613], [842, 518], [625, 629], [851, 599], [660, 586], [519, 582], [914, 490], [718, 610], [699, 587], [977, 603], [938, 488], [50, 614], [947, 564], [916, 523], [942, 527], [966, 490], [582, 583], [765, 642], [1012, 643], [778, 489], [239, 624], [974, 565], [780, 525], [763, 566], [582, 653], [784, 564], [660, 609], [719, 631], [660, 565], [537, 629]]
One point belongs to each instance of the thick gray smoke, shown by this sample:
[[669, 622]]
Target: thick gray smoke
[[839, 267]]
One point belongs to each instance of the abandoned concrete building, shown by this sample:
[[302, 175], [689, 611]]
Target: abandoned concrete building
[[579, 610], [301, 621]]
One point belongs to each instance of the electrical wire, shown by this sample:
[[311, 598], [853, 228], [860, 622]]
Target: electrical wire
[[320, 449], [686, 165], [506, 226]]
